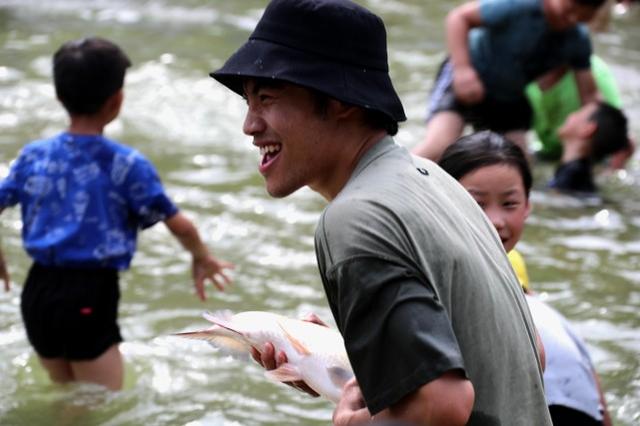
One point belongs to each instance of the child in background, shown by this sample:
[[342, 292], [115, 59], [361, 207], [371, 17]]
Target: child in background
[[496, 48], [496, 174], [589, 135], [553, 105], [83, 198]]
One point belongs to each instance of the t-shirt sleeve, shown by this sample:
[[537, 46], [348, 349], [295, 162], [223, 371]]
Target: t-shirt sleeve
[[580, 48], [496, 12], [9, 186], [397, 333], [145, 193]]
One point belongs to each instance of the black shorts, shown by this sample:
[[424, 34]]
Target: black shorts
[[489, 114], [565, 416], [71, 313]]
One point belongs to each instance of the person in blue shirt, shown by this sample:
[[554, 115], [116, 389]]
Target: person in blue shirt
[[497, 47], [83, 199]]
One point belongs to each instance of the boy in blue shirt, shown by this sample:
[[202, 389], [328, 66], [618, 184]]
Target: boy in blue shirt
[[496, 48], [83, 198]]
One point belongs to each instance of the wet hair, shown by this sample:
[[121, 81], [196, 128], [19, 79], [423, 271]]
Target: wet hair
[[483, 149], [87, 72], [611, 131]]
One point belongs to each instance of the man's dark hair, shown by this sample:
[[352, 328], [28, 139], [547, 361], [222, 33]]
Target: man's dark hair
[[611, 131], [87, 72], [373, 118], [483, 149]]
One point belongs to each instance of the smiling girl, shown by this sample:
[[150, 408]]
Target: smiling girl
[[497, 175]]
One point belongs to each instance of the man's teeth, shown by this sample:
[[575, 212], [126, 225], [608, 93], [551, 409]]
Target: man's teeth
[[267, 149]]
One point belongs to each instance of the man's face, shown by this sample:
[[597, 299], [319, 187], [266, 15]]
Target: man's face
[[563, 14], [579, 123], [291, 135]]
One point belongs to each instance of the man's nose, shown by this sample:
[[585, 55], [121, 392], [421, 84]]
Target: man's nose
[[253, 124]]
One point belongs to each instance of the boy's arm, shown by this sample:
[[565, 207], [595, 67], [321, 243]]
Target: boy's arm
[[466, 83], [4, 272], [205, 266], [587, 88]]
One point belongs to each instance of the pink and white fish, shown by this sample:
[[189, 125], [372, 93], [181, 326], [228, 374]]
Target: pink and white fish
[[315, 354]]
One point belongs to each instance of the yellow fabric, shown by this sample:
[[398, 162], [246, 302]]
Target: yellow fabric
[[517, 262]]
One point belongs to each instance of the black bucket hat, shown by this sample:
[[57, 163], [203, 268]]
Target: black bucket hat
[[333, 46]]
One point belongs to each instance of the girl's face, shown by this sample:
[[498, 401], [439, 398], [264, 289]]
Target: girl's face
[[500, 192]]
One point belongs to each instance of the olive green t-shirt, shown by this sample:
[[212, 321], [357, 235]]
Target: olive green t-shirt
[[419, 284]]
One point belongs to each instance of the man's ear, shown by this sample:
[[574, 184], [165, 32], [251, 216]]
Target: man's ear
[[589, 129], [341, 110]]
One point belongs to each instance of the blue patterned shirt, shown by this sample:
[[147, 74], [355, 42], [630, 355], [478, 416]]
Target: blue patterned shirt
[[83, 199]]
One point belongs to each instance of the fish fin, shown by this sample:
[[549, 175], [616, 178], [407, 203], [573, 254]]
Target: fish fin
[[225, 343], [339, 376], [297, 344], [287, 372], [221, 319]]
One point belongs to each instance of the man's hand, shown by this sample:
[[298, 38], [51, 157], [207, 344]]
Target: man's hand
[[269, 360], [351, 409]]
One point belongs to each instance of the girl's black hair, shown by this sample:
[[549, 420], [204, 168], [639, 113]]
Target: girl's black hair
[[483, 149]]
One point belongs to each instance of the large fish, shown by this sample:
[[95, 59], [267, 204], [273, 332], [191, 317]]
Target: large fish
[[315, 353]]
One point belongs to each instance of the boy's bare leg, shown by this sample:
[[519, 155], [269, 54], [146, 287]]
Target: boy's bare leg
[[106, 370], [443, 129], [59, 369]]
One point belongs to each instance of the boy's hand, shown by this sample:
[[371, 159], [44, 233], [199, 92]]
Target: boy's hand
[[210, 268], [4, 274], [467, 86]]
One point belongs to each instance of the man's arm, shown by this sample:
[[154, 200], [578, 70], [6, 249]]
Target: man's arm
[[447, 400], [205, 266]]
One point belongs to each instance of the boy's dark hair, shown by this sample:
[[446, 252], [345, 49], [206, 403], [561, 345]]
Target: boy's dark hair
[[593, 3], [611, 131], [87, 72], [483, 149]]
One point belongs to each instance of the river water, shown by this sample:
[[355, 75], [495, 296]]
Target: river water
[[584, 258]]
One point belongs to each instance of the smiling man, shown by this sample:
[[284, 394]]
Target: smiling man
[[434, 321]]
